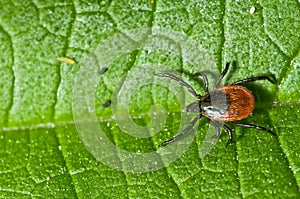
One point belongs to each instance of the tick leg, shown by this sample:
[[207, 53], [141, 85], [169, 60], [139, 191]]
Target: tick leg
[[217, 127], [227, 129], [177, 137], [254, 127], [253, 79], [217, 84], [180, 81], [217, 135], [205, 80]]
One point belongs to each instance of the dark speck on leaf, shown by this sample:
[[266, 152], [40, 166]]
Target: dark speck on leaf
[[102, 71], [107, 103]]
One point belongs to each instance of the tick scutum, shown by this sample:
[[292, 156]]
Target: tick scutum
[[215, 104]]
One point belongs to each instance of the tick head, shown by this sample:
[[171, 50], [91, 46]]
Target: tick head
[[193, 107]]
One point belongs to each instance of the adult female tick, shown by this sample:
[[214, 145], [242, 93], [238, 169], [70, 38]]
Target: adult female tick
[[224, 104]]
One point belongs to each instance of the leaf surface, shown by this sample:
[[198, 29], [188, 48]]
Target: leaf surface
[[42, 155]]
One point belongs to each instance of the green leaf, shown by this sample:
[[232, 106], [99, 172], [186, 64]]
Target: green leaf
[[42, 155]]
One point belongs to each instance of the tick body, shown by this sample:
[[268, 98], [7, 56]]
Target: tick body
[[228, 103], [224, 104]]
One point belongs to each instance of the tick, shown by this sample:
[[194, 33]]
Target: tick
[[226, 104]]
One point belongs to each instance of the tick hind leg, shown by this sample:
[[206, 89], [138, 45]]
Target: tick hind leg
[[254, 127], [253, 79], [224, 72]]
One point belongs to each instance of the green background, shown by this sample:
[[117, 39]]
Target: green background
[[41, 155]]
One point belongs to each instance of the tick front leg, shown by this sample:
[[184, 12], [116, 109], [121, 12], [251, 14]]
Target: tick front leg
[[185, 131], [203, 75], [180, 81]]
